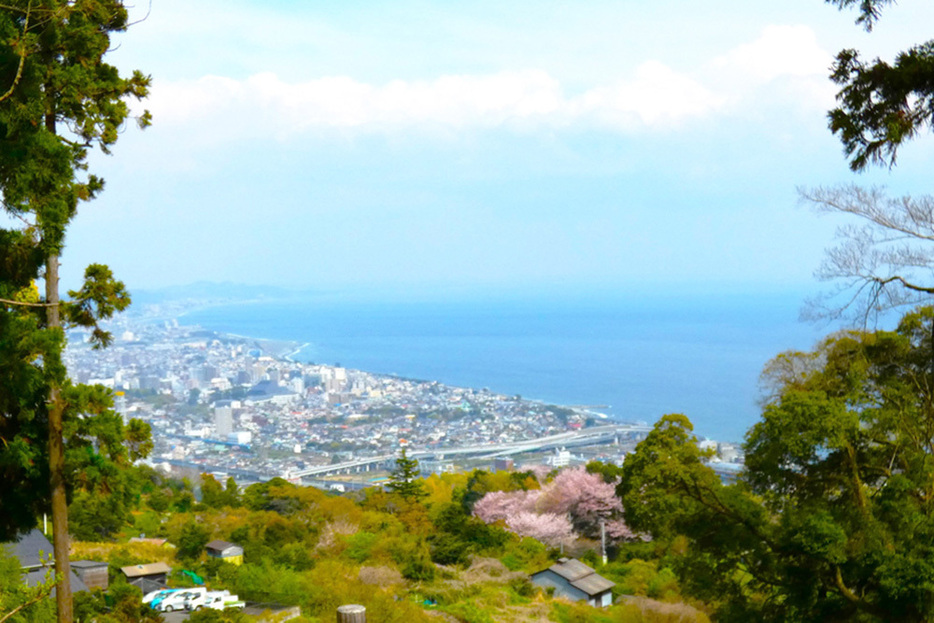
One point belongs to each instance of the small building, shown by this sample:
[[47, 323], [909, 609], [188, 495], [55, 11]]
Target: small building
[[574, 580], [92, 573], [35, 555], [149, 577], [228, 552]]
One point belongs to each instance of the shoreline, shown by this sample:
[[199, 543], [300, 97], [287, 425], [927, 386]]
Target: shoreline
[[296, 347], [466, 370]]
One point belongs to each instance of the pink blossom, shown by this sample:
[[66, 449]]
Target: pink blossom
[[500, 505], [582, 497], [552, 530]]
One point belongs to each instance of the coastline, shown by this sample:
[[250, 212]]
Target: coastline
[[641, 365], [286, 350]]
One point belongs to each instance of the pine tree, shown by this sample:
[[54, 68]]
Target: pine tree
[[58, 101], [404, 478]]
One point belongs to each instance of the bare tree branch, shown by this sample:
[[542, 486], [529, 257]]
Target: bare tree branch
[[884, 263]]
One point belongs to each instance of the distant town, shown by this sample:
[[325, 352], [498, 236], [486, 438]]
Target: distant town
[[241, 406]]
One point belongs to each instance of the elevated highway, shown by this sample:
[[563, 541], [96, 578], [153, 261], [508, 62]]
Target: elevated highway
[[597, 435]]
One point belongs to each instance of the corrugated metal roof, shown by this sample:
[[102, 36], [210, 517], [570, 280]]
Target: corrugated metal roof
[[571, 569], [593, 584]]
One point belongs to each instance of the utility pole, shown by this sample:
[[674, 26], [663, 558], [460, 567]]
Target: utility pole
[[603, 540]]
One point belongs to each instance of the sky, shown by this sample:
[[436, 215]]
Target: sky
[[418, 145]]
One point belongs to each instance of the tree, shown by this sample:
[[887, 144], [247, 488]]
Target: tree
[[883, 264], [833, 517], [60, 101], [881, 105], [404, 479], [575, 495], [191, 540], [587, 500]]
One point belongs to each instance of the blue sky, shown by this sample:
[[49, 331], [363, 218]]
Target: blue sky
[[416, 145]]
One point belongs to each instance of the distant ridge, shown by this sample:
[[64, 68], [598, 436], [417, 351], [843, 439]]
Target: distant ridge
[[209, 290]]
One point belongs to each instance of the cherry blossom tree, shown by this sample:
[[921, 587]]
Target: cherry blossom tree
[[582, 500], [500, 505], [552, 530]]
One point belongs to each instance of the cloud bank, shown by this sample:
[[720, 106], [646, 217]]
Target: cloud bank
[[784, 63]]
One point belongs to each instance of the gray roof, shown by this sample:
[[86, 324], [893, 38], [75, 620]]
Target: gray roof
[[593, 584], [220, 545], [571, 569], [87, 564], [580, 576], [32, 549]]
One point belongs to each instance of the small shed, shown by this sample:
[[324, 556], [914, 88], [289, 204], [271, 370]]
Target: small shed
[[92, 573], [228, 552], [148, 577], [574, 580]]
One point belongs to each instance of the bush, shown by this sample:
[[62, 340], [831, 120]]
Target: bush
[[468, 613]]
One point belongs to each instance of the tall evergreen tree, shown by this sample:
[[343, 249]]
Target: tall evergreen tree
[[404, 479], [58, 101]]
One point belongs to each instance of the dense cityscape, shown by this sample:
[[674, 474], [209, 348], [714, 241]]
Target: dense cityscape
[[241, 406]]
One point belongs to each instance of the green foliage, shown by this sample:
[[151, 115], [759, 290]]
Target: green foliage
[[191, 540], [526, 554], [831, 519], [24, 604], [404, 479], [58, 438], [467, 612], [881, 105], [213, 495], [458, 535], [359, 546], [217, 616], [610, 472]]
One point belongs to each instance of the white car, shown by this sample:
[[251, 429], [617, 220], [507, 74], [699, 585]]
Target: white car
[[178, 599]]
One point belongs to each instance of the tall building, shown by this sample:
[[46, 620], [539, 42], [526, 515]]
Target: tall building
[[223, 419]]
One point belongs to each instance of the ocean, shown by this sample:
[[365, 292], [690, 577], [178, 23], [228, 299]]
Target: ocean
[[633, 359]]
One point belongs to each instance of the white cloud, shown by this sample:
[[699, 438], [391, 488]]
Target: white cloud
[[785, 62], [779, 51], [657, 96]]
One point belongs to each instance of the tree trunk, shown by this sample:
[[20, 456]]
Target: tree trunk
[[57, 462]]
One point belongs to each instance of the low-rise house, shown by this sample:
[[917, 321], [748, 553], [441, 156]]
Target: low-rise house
[[149, 577], [228, 552], [574, 580]]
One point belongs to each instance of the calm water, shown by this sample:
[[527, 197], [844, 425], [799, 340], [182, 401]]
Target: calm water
[[644, 358]]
